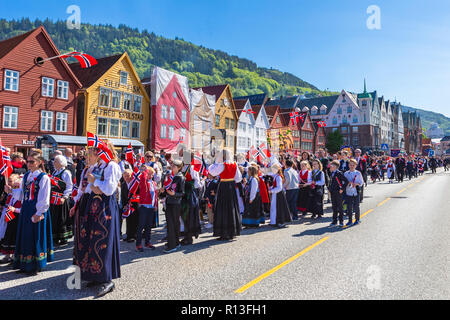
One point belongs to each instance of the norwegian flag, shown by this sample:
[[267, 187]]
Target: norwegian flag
[[295, 118], [131, 158], [5, 161], [134, 185], [56, 199], [249, 111], [197, 162], [264, 151], [204, 169], [74, 191], [168, 182], [93, 141], [321, 124], [9, 215], [128, 212], [85, 60], [104, 153], [252, 153], [55, 181]]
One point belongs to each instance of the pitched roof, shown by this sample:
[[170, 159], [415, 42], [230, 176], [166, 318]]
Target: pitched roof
[[8, 45], [213, 90], [271, 110], [90, 75], [257, 109], [240, 105], [256, 99], [318, 102], [284, 103]]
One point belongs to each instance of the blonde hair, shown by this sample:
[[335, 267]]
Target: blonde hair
[[306, 163], [37, 155], [319, 163], [353, 161]]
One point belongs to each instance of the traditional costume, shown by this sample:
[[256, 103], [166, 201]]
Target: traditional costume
[[59, 211], [253, 214], [9, 221], [317, 191], [190, 205], [34, 243], [390, 167], [227, 223], [279, 210], [304, 194]]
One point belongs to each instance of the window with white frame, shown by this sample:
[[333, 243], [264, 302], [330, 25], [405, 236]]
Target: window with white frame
[[48, 87], [10, 117], [163, 131], [183, 134], [11, 80], [123, 78], [102, 126], [114, 127], [183, 116], [104, 97], [171, 132], [127, 100], [172, 113], [137, 104], [136, 130], [125, 128], [115, 99], [46, 120], [63, 89], [163, 111], [61, 122]]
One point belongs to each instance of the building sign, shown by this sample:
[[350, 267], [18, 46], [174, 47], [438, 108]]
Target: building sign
[[28, 143], [113, 84], [117, 114]]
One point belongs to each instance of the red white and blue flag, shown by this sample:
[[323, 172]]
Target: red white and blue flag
[[295, 118], [197, 162], [130, 157], [134, 184], [93, 141], [85, 60], [321, 124], [9, 215], [56, 199], [128, 212], [6, 168]]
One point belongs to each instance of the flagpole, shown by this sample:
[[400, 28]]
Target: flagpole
[[70, 54]]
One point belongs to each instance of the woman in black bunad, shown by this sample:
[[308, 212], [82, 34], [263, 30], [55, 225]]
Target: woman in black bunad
[[190, 205], [253, 214], [99, 259], [62, 185], [227, 217], [34, 244], [79, 211]]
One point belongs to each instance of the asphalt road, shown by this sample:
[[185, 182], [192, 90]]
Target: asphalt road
[[400, 251]]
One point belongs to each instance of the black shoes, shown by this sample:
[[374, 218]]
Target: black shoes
[[105, 289]]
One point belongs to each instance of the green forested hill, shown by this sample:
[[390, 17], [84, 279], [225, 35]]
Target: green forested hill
[[202, 66]]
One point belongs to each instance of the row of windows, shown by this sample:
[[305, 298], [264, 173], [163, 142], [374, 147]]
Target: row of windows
[[12, 80], [11, 119], [118, 128], [307, 146], [307, 135], [349, 110], [346, 129], [344, 120], [172, 114], [170, 133], [244, 142], [120, 100]]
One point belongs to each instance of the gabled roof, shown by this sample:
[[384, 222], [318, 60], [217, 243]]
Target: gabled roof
[[240, 105], [90, 75], [271, 110], [318, 102], [446, 138], [8, 45], [257, 109], [256, 99], [214, 90], [284, 103]]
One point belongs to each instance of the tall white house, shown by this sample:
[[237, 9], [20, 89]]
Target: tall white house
[[245, 133]]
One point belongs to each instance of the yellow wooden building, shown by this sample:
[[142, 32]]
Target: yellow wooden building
[[226, 117], [113, 104]]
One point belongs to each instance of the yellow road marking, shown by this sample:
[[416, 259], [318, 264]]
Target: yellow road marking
[[383, 202], [401, 191], [366, 213], [283, 264]]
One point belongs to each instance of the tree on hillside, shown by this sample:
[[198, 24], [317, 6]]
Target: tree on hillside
[[334, 141]]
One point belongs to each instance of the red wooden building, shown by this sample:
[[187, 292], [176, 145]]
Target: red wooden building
[[307, 133], [319, 137], [35, 99]]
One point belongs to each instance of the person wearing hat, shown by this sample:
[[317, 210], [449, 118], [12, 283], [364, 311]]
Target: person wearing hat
[[279, 210], [173, 189]]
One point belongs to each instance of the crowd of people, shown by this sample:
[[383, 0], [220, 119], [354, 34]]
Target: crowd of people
[[88, 197]]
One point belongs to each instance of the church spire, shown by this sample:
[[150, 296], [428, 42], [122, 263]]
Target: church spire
[[365, 87]]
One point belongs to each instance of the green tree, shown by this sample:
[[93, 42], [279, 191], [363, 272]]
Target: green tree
[[334, 141]]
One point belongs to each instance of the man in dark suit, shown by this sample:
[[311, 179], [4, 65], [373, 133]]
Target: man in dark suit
[[400, 165]]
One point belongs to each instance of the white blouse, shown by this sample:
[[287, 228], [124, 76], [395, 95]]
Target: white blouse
[[43, 198], [321, 182], [112, 175], [254, 188], [217, 168], [279, 186]]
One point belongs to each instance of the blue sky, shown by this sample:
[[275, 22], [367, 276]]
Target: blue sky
[[324, 42]]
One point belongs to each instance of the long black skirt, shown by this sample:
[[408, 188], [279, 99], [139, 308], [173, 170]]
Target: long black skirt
[[8, 243], [283, 213], [61, 222], [190, 208], [99, 230], [227, 218], [317, 201]]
